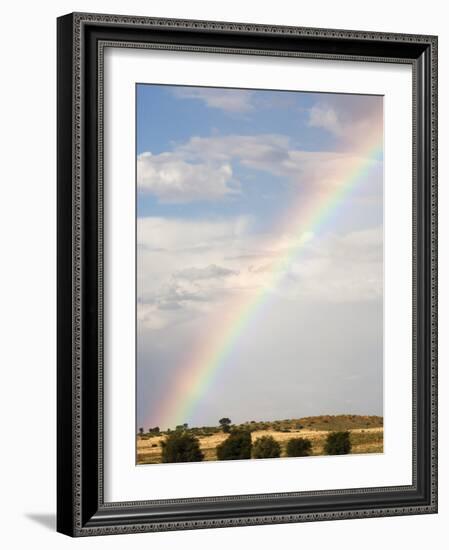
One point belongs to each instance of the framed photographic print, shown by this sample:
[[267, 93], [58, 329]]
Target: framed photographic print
[[247, 287]]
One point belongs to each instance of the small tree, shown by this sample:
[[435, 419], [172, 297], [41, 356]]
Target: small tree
[[140, 431], [266, 447], [225, 424], [154, 430], [236, 447], [181, 447], [299, 446], [337, 443]]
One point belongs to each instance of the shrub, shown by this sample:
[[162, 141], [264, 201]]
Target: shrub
[[266, 447], [337, 443], [299, 446], [236, 447], [181, 427], [181, 447]]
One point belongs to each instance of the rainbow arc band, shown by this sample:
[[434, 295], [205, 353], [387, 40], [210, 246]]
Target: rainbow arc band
[[302, 221]]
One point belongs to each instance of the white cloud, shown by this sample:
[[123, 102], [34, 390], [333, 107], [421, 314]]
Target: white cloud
[[341, 268], [323, 116], [258, 151], [229, 100], [182, 235], [182, 264], [188, 269], [201, 169], [313, 170], [320, 171], [174, 180], [349, 117]]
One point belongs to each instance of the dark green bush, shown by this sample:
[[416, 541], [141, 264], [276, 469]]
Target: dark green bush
[[299, 446], [181, 427], [266, 447], [337, 443], [236, 447], [181, 447]]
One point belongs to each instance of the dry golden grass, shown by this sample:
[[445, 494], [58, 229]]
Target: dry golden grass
[[364, 440]]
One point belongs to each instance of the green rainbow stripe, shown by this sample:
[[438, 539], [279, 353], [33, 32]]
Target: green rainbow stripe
[[198, 372]]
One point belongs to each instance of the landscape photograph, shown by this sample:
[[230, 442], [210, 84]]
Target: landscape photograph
[[259, 273]]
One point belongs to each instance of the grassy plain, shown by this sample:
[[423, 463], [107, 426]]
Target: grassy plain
[[366, 434]]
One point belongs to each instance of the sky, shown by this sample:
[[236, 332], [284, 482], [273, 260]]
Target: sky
[[259, 255]]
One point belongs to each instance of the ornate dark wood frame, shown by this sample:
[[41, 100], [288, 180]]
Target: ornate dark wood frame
[[81, 509]]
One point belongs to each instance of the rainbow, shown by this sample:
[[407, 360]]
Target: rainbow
[[302, 221]]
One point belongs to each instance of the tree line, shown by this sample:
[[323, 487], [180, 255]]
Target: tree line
[[182, 446]]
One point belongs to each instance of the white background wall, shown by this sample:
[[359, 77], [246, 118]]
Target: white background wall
[[27, 272]]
